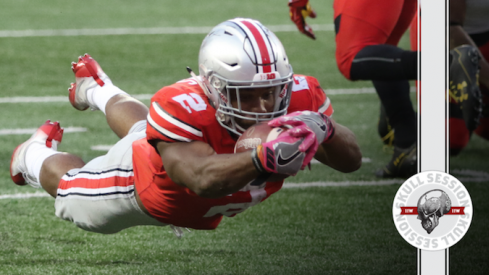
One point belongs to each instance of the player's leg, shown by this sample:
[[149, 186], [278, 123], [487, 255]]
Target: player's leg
[[415, 41], [362, 52], [384, 128], [408, 13], [464, 86], [395, 97], [459, 136], [37, 161], [483, 129], [401, 113], [396, 100], [124, 112], [94, 89], [464, 98], [98, 196], [458, 133], [54, 167], [101, 196]]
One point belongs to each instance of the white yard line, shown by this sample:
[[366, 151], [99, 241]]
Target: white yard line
[[33, 99], [24, 195], [102, 147], [341, 183], [356, 91], [367, 183], [474, 176], [140, 31], [52, 99], [364, 160], [472, 173], [286, 185], [64, 99], [107, 147], [30, 131]]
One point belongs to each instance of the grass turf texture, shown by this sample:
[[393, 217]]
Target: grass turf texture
[[329, 230]]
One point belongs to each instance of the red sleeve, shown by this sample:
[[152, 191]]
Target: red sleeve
[[176, 113], [307, 94]]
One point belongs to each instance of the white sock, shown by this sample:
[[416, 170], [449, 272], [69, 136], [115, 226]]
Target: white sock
[[99, 96], [35, 156]]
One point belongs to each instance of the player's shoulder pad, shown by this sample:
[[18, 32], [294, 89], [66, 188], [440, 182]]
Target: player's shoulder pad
[[179, 112], [187, 93], [302, 82], [184, 100]]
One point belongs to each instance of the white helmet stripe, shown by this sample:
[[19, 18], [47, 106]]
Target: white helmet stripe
[[260, 43]]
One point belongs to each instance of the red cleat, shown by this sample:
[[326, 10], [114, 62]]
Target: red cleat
[[88, 75]]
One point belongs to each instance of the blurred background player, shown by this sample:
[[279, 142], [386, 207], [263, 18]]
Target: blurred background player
[[367, 35], [469, 45], [469, 50], [299, 10], [175, 163]]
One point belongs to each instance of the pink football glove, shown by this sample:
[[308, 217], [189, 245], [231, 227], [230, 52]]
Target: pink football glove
[[307, 124], [318, 123], [286, 154], [298, 11]]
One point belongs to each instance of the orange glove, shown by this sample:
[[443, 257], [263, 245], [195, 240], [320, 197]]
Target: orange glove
[[299, 10]]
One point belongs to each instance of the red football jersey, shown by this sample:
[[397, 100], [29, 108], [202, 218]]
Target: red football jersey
[[182, 113]]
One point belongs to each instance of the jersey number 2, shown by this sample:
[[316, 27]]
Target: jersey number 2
[[191, 102]]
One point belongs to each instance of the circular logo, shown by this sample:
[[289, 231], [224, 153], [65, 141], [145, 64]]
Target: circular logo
[[432, 210]]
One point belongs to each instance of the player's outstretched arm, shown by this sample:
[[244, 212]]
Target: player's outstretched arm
[[196, 166], [341, 152]]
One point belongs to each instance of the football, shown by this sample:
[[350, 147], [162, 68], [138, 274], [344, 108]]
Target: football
[[256, 135]]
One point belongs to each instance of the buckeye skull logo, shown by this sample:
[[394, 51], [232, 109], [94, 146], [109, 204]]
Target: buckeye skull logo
[[431, 207]]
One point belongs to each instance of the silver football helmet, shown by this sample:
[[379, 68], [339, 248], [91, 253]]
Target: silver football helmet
[[243, 54]]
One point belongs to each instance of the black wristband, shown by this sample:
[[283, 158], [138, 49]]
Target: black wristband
[[257, 162], [330, 136], [330, 125]]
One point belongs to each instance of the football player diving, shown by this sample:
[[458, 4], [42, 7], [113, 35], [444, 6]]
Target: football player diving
[[175, 162]]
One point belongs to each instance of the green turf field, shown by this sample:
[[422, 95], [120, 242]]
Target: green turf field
[[314, 230]]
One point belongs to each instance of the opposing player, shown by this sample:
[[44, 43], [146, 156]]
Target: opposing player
[[174, 164], [468, 71], [469, 90], [299, 10], [367, 34]]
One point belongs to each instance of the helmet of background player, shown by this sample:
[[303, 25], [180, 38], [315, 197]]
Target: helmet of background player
[[243, 54]]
